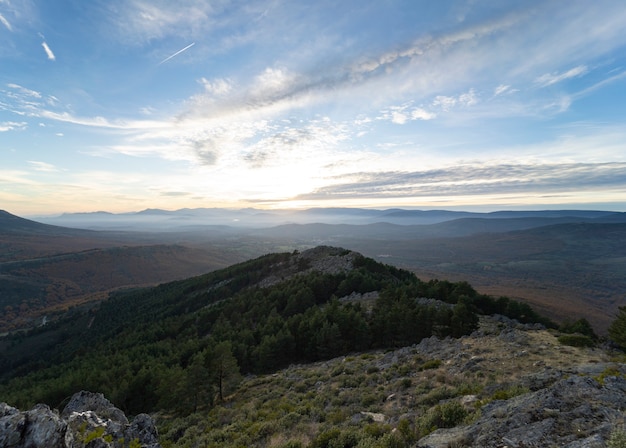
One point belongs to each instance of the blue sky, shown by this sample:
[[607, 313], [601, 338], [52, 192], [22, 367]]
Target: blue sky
[[126, 105]]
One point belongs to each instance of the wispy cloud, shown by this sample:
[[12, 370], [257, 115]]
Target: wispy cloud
[[43, 166], [141, 21], [5, 22], [462, 180], [548, 79], [48, 51], [12, 125]]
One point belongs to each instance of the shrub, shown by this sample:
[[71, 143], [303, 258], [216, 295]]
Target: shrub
[[617, 439], [581, 326], [446, 415], [436, 395], [576, 340], [431, 364], [513, 391], [609, 371]]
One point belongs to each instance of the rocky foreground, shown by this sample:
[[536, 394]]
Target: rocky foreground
[[562, 397], [89, 419]]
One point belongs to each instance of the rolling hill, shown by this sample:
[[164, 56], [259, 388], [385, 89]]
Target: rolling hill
[[45, 269]]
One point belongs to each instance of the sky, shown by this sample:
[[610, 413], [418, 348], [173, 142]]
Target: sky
[[123, 105]]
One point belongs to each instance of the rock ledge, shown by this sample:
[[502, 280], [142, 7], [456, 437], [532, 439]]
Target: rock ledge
[[88, 420]]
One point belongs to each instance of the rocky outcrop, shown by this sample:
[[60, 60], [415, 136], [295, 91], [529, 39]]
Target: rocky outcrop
[[575, 412], [88, 420]]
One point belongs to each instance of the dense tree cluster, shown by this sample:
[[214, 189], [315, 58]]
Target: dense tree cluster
[[184, 344]]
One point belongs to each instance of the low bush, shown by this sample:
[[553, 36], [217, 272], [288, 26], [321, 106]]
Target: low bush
[[576, 340]]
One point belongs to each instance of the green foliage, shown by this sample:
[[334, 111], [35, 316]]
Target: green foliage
[[617, 439], [431, 364], [97, 433], [581, 326], [510, 392], [576, 340], [446, 415], [610, 371], [617, 330]]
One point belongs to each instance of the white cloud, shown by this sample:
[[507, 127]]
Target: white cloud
[[217, 87], [398, 117], [444, 102], [24, 90], [5, 22], [142, 21], [48, 51], [552, 78], [43, 166], [12, 125], [501, 89], [421, 114], [273, 81], [468, 99]]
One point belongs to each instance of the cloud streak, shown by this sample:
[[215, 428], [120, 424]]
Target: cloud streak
[[12, 126], [465, 180], [552, 78], [177, 53], [48, 51], [5, 22]]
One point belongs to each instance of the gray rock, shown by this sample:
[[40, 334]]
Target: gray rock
[[39, 427], [88, 420], [89, 401], [575, 412], [143, 428]]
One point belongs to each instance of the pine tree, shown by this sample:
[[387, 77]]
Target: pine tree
[[617, 330], [224, 368]]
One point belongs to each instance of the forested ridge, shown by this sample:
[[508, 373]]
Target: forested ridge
[[184, 344]]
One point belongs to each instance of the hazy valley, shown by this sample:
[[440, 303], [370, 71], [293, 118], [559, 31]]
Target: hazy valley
[[565, 263]]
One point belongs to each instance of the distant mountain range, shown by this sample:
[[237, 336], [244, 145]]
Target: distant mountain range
[[563, 262], [156, 219]]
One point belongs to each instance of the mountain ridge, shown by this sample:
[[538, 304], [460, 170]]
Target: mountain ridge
[[326, 347]]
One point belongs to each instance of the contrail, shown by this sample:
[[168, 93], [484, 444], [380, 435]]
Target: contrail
[[177, 53]]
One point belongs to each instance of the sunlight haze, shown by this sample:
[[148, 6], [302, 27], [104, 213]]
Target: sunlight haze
[[127, 105]]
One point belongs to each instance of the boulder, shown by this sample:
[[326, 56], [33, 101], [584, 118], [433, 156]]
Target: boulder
[[575, 412], [88, 420], [39, 427]]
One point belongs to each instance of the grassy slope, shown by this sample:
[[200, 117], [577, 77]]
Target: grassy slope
[[380, 395]]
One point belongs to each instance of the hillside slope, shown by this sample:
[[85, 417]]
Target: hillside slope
[[563, 270], [506, 384], [45, 269], [270, 311], [323, 348], [53, 284]]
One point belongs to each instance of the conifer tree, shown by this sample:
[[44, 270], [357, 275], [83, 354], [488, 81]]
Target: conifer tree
[[617, 330]]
